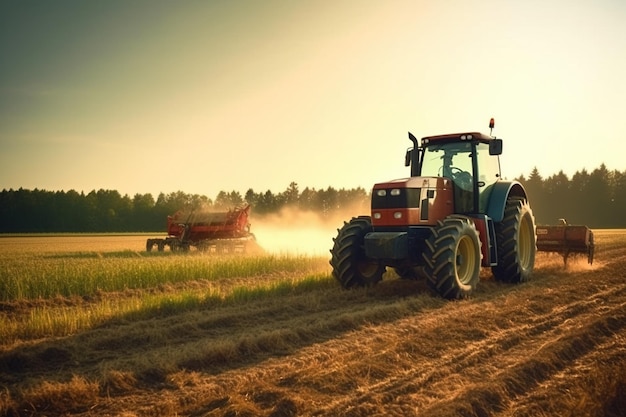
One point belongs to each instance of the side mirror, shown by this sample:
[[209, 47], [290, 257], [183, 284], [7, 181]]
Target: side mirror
[[407, 157], [495, 147]]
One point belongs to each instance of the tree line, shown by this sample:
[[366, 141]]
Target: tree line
[[597, 199], [107, 211]]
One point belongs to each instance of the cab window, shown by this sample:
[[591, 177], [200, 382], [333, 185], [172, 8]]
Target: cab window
[[488, 174]]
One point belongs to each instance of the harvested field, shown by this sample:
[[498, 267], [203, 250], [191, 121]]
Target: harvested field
[[276, 336]]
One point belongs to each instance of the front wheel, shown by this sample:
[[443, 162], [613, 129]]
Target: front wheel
[[350, 265], [452, 258]]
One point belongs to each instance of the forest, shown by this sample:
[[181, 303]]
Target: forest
[[596, 199], [107, 211]]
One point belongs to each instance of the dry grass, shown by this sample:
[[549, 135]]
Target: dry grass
[[296, 344]]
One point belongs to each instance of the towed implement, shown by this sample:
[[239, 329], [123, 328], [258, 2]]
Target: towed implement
[[566, 240], [225, 232], [452, 216]]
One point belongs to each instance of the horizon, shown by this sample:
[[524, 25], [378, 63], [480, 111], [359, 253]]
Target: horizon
[[300, 186]]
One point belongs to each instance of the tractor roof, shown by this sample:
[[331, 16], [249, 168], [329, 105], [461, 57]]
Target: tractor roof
[[457, 137]]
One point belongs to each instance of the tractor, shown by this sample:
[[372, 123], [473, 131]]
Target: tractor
[[452, 216]]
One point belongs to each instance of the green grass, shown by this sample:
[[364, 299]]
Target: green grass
[[56, 293], [86, 274]]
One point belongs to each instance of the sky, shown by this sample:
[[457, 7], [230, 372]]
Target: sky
[[151, 96]]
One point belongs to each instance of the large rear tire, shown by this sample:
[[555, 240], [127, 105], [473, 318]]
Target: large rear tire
[[516, 242], [350, 265], [452, 258]]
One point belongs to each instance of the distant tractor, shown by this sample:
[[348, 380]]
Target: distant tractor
[[453, 215], [222, 232]]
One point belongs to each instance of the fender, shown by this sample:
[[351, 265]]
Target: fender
[[502, 190]]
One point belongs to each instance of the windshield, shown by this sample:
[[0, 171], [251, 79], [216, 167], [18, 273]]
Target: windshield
[[452, 160], [447, 159]]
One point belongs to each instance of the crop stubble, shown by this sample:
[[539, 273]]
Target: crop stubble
[[553, 346]]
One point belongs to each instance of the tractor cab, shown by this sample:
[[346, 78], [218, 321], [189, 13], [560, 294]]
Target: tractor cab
[[470, 160]]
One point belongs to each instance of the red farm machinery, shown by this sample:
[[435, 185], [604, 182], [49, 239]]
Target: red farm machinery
[[222, 232], [453, 215], [566, 239]]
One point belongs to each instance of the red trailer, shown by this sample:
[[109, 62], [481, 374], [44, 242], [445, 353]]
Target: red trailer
[[566, 239], [226, 231]]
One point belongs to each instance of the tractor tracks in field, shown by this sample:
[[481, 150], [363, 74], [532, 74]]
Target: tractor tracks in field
[[593, 381], [356, 354], [490, 371], [392, 350]]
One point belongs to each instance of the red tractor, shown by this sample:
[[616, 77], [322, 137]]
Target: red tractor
[[453, 215]]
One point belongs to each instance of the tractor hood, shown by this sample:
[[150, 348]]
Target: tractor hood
[[412, 201], [415, 182]]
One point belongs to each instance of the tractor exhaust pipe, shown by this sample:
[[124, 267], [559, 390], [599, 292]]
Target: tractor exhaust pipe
[[413, 157]]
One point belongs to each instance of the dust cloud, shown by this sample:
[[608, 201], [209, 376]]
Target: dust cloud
[[575, 262], [297, 232]]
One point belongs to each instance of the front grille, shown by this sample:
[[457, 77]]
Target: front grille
[[405, 198]]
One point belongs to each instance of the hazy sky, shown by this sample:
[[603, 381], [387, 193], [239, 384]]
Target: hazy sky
[[149, 96]]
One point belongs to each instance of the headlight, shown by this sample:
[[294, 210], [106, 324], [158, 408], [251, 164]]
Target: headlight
[[377, 216], [397, 215]]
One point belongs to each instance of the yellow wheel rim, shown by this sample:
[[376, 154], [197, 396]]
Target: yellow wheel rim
[[525, 243], [465, 263]]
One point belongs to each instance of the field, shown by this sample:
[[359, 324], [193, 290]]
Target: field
[[94, 326]]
